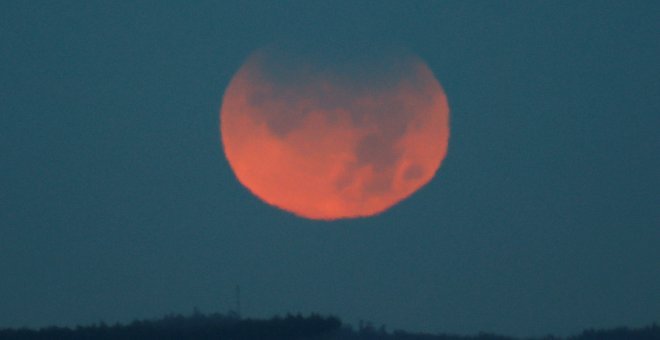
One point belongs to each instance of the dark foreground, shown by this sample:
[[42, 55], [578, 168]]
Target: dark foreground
[[314, 327]]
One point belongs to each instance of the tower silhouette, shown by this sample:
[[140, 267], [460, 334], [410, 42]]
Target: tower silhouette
[[238, 301]]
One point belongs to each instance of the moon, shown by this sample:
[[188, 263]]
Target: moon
[[334, 135]]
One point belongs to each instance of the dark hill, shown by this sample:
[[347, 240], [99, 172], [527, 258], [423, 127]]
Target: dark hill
[[313, 327]]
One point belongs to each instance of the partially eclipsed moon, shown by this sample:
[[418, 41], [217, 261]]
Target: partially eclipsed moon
[[334, 138]]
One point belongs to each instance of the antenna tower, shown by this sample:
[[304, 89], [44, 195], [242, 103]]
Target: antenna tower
[[238, 300]]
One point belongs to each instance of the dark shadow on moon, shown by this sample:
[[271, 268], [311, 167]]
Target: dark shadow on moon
[[330, 79], [365, 125]]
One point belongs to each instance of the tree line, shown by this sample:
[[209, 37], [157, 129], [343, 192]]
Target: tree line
[[291, 327]]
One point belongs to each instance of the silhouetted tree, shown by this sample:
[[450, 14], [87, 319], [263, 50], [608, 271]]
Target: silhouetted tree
[[291, 327]]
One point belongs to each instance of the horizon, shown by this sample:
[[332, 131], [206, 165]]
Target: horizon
[[186, 325]]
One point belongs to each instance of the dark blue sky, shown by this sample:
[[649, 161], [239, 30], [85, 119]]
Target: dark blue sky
[[116, 201]]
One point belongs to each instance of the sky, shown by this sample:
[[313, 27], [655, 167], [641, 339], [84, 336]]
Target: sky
[[117, 202]]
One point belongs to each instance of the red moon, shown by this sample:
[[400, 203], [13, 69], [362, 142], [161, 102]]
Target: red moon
[[332, 140]]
